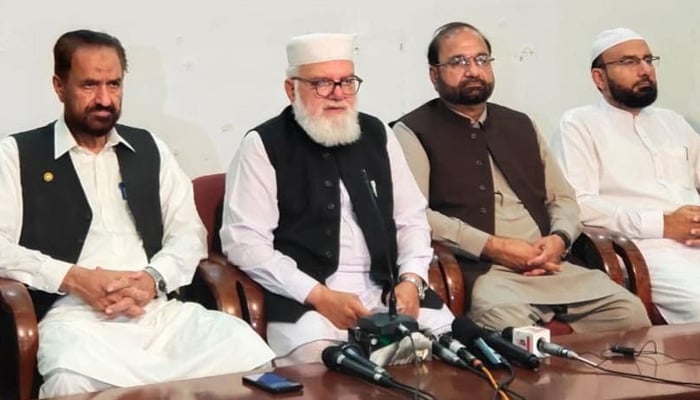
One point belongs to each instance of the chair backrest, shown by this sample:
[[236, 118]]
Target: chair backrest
[[209, 199]]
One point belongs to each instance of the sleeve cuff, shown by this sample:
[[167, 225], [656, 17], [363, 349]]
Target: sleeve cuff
[[414, 268], [51, 275], [651, 224], [302, 286]]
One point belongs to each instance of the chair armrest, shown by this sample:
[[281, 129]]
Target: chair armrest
[[235, 292], [15, 300], [453, 278], [594, 248], [639, 281]]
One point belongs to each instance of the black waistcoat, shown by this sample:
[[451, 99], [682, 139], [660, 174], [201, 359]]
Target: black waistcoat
[[308, 195], [56, 214], [461, 181]]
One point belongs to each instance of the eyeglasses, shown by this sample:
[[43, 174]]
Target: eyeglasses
[[325, 87], [633, 62], [462, 62]]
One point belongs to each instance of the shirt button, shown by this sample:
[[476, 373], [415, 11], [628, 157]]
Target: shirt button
[[479, 163], [331, 206], [329, 232], [328, 183], [325, 154], [483, 210], [328, 254], [482, 187], [473, 136]]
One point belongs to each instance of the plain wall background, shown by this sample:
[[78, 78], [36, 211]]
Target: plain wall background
[[201, 73]]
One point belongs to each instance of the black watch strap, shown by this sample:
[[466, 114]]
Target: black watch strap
[[566, 239]]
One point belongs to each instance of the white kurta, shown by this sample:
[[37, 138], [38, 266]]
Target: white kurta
[[251, 215], [172, 340], [627, 172]]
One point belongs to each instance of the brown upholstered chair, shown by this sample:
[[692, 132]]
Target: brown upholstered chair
[[209, 195], [597, 248]]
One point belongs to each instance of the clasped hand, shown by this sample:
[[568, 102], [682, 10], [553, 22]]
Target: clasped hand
[[115, 293], [531, 259]]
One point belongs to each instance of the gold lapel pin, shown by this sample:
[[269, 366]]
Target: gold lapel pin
[[48, 176]]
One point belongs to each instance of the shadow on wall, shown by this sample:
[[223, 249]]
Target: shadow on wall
[[145, 94]]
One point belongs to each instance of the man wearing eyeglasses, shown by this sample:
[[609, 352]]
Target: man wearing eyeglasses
[[497, 197], [320, 205], [636, 169]]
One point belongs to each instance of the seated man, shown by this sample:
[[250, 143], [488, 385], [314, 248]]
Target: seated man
[[636, 170], [99, 221], [320, 205], [497, 196]]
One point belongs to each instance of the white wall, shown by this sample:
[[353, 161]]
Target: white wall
[[203, 72]]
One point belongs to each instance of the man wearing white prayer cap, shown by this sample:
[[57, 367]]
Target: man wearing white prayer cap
[[636, 169], [301, 211]]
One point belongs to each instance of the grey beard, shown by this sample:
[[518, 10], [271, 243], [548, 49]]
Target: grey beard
[[338, 131]]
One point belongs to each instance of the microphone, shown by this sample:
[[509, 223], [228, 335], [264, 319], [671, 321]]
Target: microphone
[[466, 331], [556, 350], [334, 359], [515, 354], [354, 353], [447, 355], [391, 324], [460, 350], [535, 339]]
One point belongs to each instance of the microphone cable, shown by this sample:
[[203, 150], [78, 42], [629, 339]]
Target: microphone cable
[[639, 377]]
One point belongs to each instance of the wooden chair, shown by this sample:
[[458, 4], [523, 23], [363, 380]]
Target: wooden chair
[[597, 248], [209, 196]]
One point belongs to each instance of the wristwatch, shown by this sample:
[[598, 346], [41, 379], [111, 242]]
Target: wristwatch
[[158, 279], [420, 285], [567, 241]]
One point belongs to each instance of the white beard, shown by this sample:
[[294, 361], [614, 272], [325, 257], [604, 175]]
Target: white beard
[[328, 132]]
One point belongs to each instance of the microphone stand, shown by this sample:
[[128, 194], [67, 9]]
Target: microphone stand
[[376, 330]]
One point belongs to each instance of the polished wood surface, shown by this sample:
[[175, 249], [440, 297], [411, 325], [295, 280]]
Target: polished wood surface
[[556, 378]]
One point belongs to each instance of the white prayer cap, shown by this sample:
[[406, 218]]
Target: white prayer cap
[[319, 47], [610, 38]]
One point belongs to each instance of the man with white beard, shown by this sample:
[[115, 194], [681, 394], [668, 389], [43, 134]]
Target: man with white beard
[[300, 215]]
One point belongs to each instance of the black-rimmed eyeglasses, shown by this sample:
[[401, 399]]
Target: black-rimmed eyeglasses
[[325, 87]]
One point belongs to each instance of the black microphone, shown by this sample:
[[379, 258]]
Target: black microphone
[[447, 355], [383, 323], [354, 353], [515, 354], [555, 350], [460, 349], [334, 359], [466, 331]]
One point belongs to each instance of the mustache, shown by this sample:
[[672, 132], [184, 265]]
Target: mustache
[[471, 81], [110, 109]]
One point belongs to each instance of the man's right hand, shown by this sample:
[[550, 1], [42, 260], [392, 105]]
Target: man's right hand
[[97, 287], [683, 225], [517, 255], [341, 308]]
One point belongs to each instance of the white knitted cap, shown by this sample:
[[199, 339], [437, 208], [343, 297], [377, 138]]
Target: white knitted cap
[[610, 38], [319, 47]]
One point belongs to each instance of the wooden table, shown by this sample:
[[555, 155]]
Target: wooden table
[[556, 378]]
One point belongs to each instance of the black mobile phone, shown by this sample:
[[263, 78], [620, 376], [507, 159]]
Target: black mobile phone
[[273, 383]]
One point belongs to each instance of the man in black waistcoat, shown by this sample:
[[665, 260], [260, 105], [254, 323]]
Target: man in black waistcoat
[[500, 200], [321, 205], [99, 221]]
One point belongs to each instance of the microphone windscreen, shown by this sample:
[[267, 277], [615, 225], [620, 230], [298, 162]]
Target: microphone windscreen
[[465, 330], [330, 357], [508, 334]]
